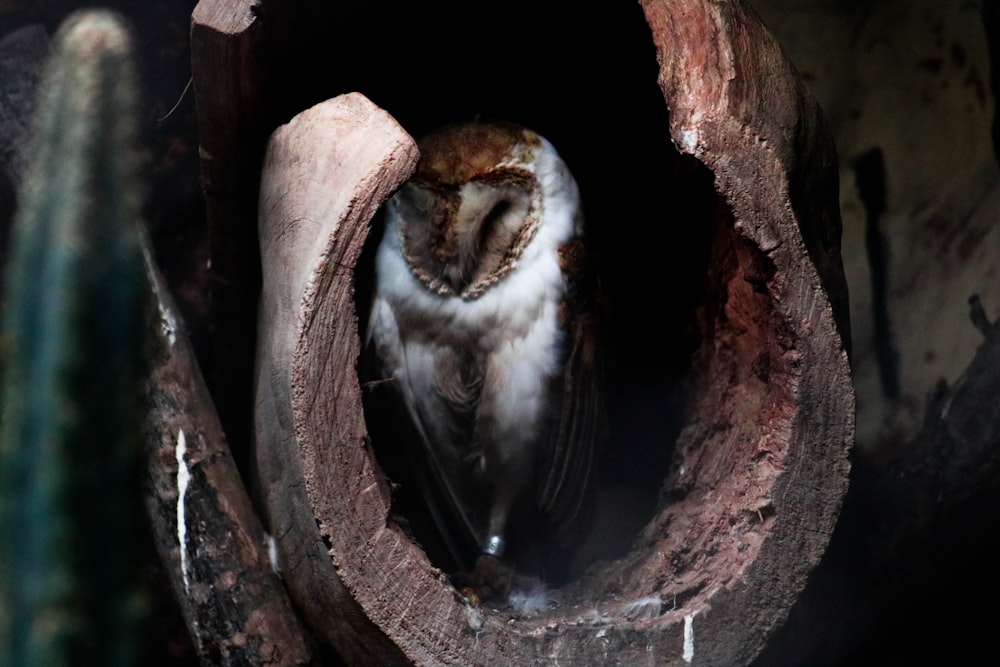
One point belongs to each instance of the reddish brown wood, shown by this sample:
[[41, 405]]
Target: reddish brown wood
[[773, 421], [761, 463], [760, 466]]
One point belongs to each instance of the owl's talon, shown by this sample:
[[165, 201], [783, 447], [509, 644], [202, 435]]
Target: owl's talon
[[490, 579], [470, 595]]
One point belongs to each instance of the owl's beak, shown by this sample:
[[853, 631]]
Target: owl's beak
[[455, 278]]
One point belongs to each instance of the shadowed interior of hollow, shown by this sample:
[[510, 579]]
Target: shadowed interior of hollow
[[717, 505]]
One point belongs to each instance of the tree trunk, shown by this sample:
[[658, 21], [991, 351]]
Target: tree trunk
[[758, 470]]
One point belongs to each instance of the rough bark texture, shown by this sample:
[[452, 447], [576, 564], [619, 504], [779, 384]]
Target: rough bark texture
[[759, 468], [911, 538], [203, 523]]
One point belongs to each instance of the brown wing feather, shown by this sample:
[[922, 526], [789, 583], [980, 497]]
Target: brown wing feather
[[444, 466], [580, 424]]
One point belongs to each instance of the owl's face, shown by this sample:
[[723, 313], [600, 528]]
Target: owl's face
[[482, 199]]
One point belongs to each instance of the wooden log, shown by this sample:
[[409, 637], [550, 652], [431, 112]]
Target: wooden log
[[758, 471], [325, 175], [724, 93], [737, 104], [206, 532]]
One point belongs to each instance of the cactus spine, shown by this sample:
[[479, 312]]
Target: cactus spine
[[74, 312]]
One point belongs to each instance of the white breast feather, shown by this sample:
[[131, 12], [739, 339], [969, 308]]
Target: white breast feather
[[525, 342]]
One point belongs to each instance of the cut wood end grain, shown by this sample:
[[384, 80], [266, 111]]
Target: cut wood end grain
[[230, 17]]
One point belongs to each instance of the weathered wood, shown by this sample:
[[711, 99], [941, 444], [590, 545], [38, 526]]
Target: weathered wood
[[228, 82], [325, 174], [759, 469], [772, 421], [209, 539], [912, 538]]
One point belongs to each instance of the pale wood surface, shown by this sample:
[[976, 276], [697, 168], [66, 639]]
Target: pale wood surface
[[325, 174]]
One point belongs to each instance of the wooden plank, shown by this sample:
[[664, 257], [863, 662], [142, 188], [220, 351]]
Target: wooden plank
[[229, 87]]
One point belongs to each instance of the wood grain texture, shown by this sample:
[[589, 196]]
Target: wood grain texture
[[775, 392], [325, 174]]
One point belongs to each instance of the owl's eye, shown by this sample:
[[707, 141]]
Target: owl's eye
[[491, 220], [414, 202]]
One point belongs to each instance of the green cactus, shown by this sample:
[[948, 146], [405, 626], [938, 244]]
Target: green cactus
[[74, 314]]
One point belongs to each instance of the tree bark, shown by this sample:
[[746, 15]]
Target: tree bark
[[204, 526], [203, 523]]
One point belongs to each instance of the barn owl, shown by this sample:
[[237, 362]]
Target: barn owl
[[484, 318]]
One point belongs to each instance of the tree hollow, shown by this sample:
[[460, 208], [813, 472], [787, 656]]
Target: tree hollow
[[749, 474]]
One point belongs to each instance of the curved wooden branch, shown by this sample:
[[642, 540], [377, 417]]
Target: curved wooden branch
[[325, 175]]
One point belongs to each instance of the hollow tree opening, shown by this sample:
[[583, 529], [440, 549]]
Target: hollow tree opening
[[654, 281], [747, 498], [589, 85]]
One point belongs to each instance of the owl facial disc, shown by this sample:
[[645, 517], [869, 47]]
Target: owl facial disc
[[476, 228]]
